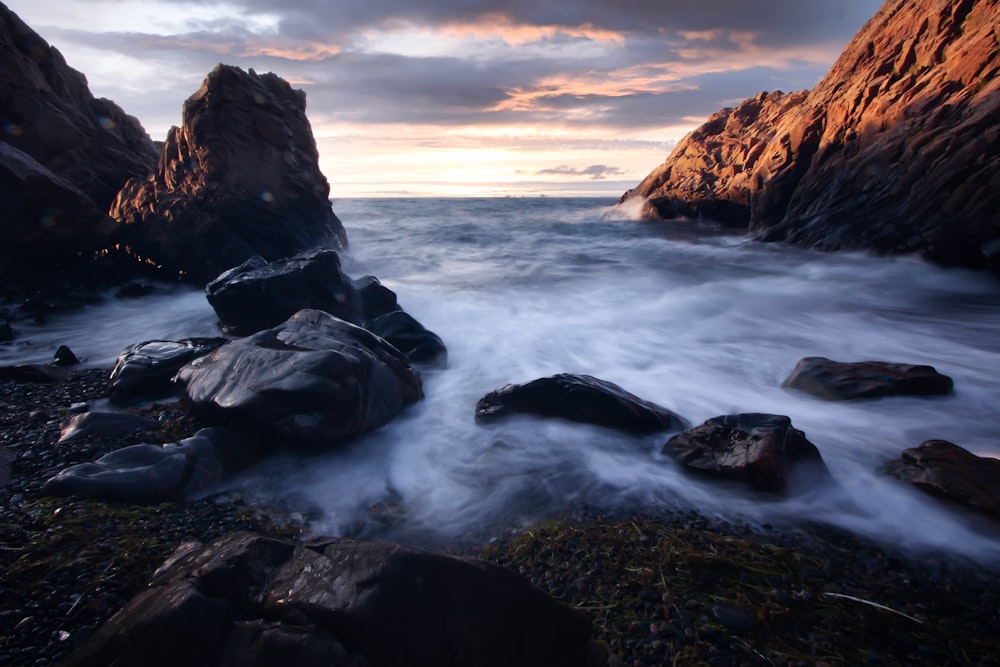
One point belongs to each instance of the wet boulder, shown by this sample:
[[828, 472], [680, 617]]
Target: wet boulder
[[840, 381], [259, 294], [945, 470], [145, 369], [240, 177], [313, 381], [580, 398], [411, 338], [150, 473], [337, 601], [376, 298], [763, 450]]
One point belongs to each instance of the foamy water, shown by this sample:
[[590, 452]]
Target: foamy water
[[703, 324]]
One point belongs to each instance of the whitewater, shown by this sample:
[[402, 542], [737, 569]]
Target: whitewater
[[700, 322]]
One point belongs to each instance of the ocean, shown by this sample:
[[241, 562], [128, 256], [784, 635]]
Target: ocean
[[698, 321]]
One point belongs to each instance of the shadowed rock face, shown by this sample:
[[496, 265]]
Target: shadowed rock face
[[838, 381], [63, 157], [251, 600], [239, 178], [897, 150]]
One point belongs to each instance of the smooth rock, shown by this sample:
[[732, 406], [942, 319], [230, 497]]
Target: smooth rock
[[579, 398], [338, 602], [64, 357], [104, 425], [411, 338], [896, 150], [239, 178], [259, 294], [41, 373], [945, 470], [145, 369], [150, 473], [759, 449], [311, 382], [839, 381], [376, 298]]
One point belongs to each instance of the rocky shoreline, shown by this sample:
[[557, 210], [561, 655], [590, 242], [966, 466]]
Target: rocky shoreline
[[659, 589]]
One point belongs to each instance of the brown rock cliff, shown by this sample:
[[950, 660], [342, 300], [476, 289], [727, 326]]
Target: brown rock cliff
[[897, 150], [239, 178]]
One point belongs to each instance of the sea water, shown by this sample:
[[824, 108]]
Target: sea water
[[700, 322]]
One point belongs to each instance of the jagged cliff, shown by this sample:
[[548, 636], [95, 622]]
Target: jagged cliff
[[240, 177], [897, 150]]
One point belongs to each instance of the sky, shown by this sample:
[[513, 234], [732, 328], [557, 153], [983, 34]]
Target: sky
[[463, 97]]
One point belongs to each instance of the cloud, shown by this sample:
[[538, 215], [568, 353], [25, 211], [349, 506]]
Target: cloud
[[596, 172]]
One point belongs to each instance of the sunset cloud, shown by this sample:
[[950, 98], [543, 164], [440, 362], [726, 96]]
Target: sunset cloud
[[512, 93]]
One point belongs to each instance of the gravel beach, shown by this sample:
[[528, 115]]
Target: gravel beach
[[676, 589]]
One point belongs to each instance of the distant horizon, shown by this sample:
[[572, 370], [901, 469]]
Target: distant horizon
[[442, 100]]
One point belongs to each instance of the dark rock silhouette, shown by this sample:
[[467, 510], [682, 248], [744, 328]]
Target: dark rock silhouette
[[897, 150], [839, 381], [239, 177], [410, 337], [945, 470], [759, 449], [579, 398], [252, 600], [311, 382]]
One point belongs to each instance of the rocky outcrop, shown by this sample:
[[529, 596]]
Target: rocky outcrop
[[48, 112], [410, 337], [897, 150], [311, 382], [763, 450], [63, 157], [240, 177], [579, 398], [839, 381], [247, 599], [945, 470]]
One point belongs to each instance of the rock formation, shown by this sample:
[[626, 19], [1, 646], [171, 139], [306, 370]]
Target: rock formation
[[311, 382], [247, 599], [839, 381], [579, 398], [239, 177], [63, 157], [897, 150], [763, 450]]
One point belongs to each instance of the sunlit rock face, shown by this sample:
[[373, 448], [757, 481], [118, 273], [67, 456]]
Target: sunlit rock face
[[63, 157], [897, 150], [239, 178]]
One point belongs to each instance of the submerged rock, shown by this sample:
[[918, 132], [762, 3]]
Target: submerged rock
[[839, 381], [239, 178], [760, 449], [579, 398], [104, 425], [945, 470], [160, 473], [312, 382], [896, 150], [145, 369], [252, 600]]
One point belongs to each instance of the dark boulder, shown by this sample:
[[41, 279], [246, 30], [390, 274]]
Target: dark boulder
[[145, 369], [312, 381], [839, 381], [758, 449], [64, 357], [376, 298], [259, 294], [337, 601], [160, 473], [104, 425], [945, 470], [239, 178], [579, 398], [411, 338], [40, 373]]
